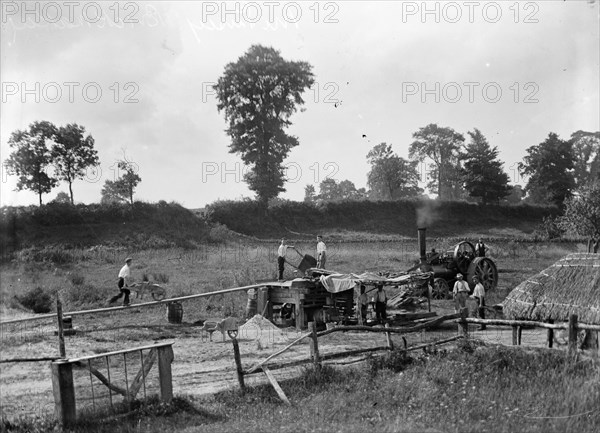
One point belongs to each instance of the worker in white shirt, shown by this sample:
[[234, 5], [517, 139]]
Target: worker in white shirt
[[321, 252], [281, 252], [123, 283], [460, 292], [479, 295]]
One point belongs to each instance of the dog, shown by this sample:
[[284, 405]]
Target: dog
[[228, 325], [157, 292]]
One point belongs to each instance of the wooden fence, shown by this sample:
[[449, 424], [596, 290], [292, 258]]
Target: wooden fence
[[104, 382], [265, 366]]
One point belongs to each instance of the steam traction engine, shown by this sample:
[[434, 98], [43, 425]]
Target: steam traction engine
[[460, 259]]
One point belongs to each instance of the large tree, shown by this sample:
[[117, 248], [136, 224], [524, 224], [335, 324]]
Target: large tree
[[72, 154], [586, 157], [391, 176], [31, 158], [123, 188], [441, 146], [482, 171], [258, 94], [582, 211], [549, 166]]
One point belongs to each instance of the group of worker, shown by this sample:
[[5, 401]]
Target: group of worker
[[378, 301], [282, 251]]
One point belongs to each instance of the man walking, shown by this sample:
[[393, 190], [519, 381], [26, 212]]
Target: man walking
[[321, 252], [281, 252], [122, 283]]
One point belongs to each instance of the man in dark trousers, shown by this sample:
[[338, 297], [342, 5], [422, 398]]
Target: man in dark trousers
[[281, 252], [122, 283], [480, 248], [380, 299]]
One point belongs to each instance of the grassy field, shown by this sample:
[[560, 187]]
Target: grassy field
[[86, 278], [471, 389]]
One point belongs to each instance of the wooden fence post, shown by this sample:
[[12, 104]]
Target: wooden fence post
[[64, 393], [165, 358], [238, 363], [314, 343], [517, 331], [390, 343], [61, 335], [573, 334], [463, 326], [550, 335]]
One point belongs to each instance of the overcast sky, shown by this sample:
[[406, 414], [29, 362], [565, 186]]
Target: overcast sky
[[137, 76]]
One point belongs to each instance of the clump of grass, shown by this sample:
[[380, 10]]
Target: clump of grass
[[37, 300], [160, 277], [76, 279], [395, 360]]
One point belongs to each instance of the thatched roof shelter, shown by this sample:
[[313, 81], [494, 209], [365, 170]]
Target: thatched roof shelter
[[570, 286]]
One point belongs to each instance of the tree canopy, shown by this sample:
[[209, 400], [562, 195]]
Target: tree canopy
[[582, 211], [331, 190], [72, 154], [586, 157], [549, 166], [391, 176], [31, 158], [482, 171], [258, 94], [441, 145], [123, 188]]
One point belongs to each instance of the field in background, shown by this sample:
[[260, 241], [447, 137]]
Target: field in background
[[86, 278]]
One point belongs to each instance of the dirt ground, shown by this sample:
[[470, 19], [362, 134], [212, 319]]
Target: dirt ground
[[200, 366]]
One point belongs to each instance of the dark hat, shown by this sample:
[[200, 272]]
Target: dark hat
[[128, 259]]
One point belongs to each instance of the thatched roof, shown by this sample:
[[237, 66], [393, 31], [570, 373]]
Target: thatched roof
[[570, 286]]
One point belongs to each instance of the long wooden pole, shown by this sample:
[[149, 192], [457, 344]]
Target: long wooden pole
[[145, 304], [61, 336]]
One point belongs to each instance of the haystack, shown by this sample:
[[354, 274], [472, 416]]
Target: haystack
[[570, 286]]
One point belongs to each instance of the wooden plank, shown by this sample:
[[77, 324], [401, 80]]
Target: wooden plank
[[238, 363], [120, 352], [279, 352], [314, 343], [61, 335], [64, 393], [573, 334], [276, 386], [145, 304], [137, 383], [165, 358]]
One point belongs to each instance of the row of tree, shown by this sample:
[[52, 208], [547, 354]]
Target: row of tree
[[260, 91], [555, 169], [44, 155]]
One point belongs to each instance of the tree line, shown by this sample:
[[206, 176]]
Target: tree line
[[260, 91], [44, 155], [556, 170]]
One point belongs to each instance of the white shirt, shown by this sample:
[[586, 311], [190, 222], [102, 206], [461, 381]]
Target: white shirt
[[282, 250], [125, 272], [321, 247], [461, 286], [479, 291]]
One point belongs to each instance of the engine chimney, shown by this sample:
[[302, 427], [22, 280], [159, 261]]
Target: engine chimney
[[422, 245]]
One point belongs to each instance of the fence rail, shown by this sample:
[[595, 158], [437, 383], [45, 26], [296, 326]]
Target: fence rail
[[460, 318]]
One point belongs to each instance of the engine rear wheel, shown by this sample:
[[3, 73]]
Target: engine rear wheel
[[464, 253], [486, 271], [441, 290]]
